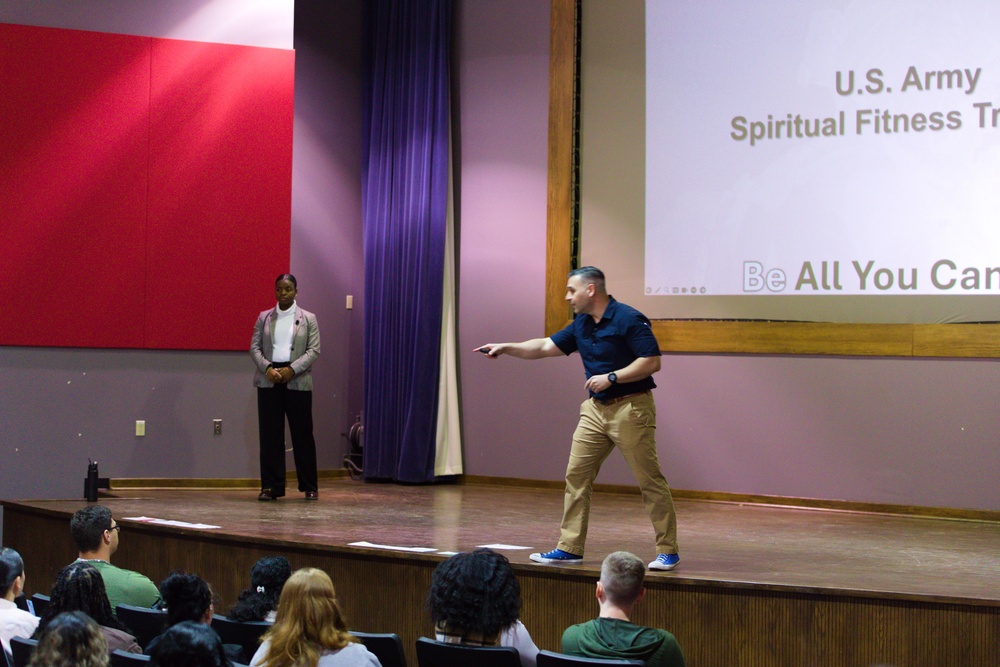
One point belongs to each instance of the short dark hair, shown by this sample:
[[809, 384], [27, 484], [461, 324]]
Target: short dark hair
[[475, 592], [622, 575], [186, 596], [188, 644], [289, 277], [88, 525], [590, 274], [11, 567], [267, 577], [79, 587], [72, 638]]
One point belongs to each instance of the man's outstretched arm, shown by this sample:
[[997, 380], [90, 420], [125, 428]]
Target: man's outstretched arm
[[536, 348]]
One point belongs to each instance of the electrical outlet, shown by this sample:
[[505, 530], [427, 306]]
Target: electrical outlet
[[350, 302], [217, 426], [140, 427]]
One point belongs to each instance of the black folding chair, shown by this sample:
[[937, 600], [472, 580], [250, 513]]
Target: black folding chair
[[550, 659], [21, 649], [387, 647], [432, 653], [38, 603], [120, 658], [145, 623], [243, 633]]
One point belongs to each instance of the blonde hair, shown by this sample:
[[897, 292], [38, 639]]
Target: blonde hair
[[622, 575], [309, 622]]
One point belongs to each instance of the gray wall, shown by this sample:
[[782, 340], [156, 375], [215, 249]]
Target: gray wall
[[898, 431], [63, 406]]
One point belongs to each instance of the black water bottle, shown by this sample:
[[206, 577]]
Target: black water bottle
[[90, 486]]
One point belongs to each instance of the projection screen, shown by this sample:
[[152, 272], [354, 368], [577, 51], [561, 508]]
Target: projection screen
[[829, 161]]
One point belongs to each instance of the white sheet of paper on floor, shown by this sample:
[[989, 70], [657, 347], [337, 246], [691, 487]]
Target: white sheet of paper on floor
[[500, 547], [170, 522], [372, 545]]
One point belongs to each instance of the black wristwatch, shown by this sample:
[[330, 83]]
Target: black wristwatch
[[612, 377]]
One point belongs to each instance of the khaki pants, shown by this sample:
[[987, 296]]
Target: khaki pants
[[629, 425]]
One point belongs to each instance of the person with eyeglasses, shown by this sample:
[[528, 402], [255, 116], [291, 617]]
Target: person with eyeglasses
[[96, 535]]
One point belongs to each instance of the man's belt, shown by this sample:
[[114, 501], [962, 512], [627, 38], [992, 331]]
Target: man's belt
[[619, 399]]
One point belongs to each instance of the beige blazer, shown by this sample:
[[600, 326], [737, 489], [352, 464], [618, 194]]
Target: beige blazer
[[305, 348]]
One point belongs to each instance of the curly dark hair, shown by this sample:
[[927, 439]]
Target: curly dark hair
[[186, 596], [475, 592], [72, 639], [79, 587], [270, 574], [188, 644]]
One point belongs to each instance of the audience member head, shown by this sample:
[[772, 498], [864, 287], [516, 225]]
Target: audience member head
[[474, 594], [71, 639], [79, 587], [94, 531], [309, 621], [188, 644], [622, 575], [11, 573], [267, 577], [187, 597]]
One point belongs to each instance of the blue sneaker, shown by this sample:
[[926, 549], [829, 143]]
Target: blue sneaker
[[665, 562], [556, 556]]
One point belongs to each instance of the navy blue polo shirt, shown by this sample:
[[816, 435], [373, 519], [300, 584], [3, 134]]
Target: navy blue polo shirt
[[622, 336]]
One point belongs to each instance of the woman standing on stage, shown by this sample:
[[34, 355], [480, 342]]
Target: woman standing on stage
[[284, 346]]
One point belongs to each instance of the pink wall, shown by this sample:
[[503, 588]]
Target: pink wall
[[517, 415], [900, 431]]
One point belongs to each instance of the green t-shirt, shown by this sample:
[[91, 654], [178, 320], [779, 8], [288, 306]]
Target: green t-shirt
[[126, 586], [614, 638]]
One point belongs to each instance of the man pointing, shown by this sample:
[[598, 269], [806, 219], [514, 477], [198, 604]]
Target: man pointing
[[620, 355]]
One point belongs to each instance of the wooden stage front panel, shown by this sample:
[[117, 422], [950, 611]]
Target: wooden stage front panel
[[757, 585]]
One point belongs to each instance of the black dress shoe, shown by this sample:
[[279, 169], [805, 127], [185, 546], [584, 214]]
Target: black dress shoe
[[267, 494], [312, 495]]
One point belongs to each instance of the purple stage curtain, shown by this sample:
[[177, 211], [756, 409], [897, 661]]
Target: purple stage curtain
[[405, 204]]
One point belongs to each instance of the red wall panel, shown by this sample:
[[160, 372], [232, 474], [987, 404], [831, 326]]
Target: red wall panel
[[220, 190], [145, 188], [73, 149]]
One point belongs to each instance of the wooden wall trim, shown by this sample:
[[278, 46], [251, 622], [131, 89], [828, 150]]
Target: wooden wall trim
[[118, 483], [560, 203], [719, 336]]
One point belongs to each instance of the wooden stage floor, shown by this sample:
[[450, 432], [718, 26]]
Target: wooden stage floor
[[728, 544], [757, 586]]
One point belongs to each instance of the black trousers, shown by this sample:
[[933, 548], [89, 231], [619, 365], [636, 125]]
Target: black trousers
[[273, 405]]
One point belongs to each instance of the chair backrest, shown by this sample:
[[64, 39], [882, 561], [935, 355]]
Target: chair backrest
[[387, 647], [120, 658], [550, 659], [21, 648], [145, 623], [244, 633], [432, 653], [38, 603], [23, 603]]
